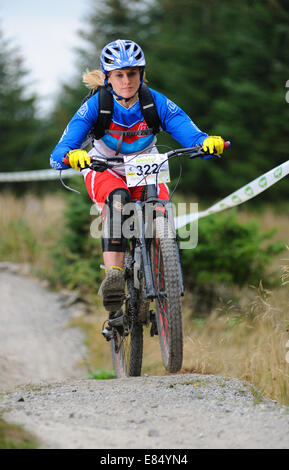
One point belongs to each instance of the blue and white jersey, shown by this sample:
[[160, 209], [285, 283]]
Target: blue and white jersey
[[173, 120]]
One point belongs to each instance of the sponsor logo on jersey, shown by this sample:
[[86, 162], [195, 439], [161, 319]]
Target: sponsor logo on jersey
[[140, 126], [172, 106], [83, 110]]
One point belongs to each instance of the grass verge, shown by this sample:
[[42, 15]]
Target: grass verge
[[13, 436]]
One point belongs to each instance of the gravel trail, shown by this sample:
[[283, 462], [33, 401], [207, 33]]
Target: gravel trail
[[55, 401], [36, 343]]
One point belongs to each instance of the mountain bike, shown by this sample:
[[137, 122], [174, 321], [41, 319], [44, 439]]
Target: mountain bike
[[152, 268]]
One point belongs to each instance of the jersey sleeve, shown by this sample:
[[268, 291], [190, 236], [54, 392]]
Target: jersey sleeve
[[176, 122], [75, 132]]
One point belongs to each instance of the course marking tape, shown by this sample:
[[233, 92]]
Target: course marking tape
[[36, 175], [245, 193]]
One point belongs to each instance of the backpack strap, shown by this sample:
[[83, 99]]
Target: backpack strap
[[105, 111], [149, 109]]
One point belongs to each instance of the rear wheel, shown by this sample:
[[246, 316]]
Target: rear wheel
[[168, 304], [127, 341]]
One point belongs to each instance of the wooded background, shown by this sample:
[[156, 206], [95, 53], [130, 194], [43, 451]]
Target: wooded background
[[226, 63]]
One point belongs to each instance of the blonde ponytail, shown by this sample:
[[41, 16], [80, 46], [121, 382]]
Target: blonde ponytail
[[93, 79], [96, 78]]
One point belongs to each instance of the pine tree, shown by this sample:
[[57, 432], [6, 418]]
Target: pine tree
[[106, 21], [18, 122], [224, 62]]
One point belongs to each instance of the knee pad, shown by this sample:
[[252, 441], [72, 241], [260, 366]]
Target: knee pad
[[112, 237]]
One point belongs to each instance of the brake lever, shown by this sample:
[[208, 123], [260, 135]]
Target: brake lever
[[98, 166], [200, 152]]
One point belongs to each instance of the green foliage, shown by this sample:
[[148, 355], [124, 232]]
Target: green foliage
[[26, 140], [231, 72], [225, 63], [102, 374], [78, 255], [15, 437], [229, 252]]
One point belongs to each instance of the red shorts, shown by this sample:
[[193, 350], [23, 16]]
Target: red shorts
[[100, 184]]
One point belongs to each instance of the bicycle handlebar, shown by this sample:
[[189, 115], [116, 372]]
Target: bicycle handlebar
[[100, 163]]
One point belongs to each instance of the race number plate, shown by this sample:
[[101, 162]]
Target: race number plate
[[146, 169]]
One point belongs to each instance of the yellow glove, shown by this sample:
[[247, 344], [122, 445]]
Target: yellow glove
[[78, 158], [213, 144]]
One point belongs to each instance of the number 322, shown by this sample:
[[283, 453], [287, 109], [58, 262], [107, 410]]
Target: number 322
[[147, 169]]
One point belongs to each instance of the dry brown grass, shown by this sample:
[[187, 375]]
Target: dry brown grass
[[29, 228], [248, 344]]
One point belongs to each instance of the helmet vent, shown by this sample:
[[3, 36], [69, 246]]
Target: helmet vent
[[121, 53]]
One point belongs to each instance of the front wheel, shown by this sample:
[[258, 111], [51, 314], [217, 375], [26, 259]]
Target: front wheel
[[164, 262], [127, 341]]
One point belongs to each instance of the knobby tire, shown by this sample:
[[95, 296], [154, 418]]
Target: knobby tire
[[168, 304]]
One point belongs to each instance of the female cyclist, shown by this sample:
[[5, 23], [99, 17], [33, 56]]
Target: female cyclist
[[122, 74]]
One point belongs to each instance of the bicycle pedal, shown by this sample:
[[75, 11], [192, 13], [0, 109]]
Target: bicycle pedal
[[107, 333]]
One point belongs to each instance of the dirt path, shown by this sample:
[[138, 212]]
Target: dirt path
[[36, 343], [55, 400]]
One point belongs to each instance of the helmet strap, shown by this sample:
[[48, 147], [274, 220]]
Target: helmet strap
[[118, 97]]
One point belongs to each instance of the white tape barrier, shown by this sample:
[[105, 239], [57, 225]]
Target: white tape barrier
[[37, 175], [245, 193]]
